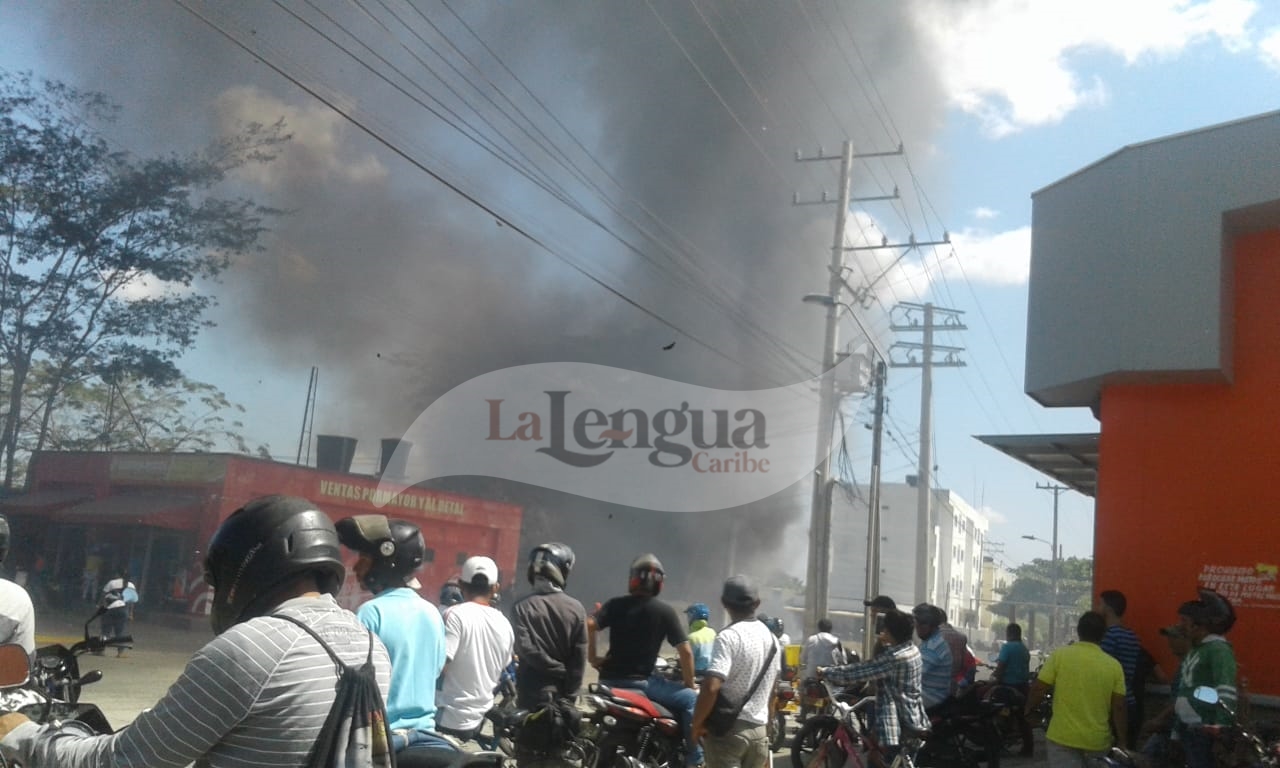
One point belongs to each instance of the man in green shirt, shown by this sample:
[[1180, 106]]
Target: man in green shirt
[[1211, 662], [1088, 697]]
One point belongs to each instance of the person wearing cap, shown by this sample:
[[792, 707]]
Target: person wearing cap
[[935, 655], [390, 553], [702, 638], [1210, 662], [1013, 668], [260, 692], [898, 673], [479, 643], [877, 607], [740, 660], [1159, 729]]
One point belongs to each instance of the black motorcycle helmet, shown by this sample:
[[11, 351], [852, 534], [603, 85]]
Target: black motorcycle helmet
[[552, 560], [264, 545], [4, 537], [646, 576], [451, 593], [395, 547]]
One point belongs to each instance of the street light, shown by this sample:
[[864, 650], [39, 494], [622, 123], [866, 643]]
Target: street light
[[1056, 555]]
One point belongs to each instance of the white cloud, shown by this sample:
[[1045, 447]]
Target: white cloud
[[1269, 48], [985, 213], [994, 517], [1005, 61]]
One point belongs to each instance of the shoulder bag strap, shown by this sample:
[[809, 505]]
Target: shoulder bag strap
[[773, 650]]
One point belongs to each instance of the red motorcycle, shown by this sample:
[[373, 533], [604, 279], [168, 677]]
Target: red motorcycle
[[630, 730]]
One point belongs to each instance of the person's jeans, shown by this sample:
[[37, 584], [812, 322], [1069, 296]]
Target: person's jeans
[[1197, 747], [1060, 756], [675, 697], [412, 737]]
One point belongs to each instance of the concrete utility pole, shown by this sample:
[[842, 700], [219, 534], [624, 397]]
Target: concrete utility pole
[[924, 586], [818, 573], [873, 508], [1056, 490]]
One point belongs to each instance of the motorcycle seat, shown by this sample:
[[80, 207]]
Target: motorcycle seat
[[506, 717], [426, 756]]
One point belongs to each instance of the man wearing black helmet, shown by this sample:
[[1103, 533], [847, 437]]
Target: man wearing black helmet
[[638, 622], [260, 691], [17, 615], [1210, 662], [551, 630], [391, 552]]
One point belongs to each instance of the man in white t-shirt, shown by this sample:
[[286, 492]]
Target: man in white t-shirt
[[479, 642], [17, 615], [745, 652]]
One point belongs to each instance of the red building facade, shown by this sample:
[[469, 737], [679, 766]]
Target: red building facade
[[153, 514]]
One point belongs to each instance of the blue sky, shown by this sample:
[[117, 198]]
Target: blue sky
[[1028, 92]]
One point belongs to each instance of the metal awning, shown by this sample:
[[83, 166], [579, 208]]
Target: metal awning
[[40, 501], [1070, 459], [164, 510]]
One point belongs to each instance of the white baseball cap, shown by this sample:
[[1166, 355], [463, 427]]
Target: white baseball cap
[[480, 565]]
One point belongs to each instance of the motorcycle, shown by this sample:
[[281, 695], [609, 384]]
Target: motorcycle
[[630, 730], [788, 703], [1233, 744], [547, 735], [21, 692], [963, 734], [1006, 703], [56, 671]]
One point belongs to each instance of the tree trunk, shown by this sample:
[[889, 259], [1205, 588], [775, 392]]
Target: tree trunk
[[9, 440]]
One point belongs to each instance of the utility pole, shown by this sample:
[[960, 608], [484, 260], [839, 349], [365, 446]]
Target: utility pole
[[925, 362], [818, 571], [873, 508], [1056, 490]]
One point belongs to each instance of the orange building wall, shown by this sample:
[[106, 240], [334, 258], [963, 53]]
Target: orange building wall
[[1189, 483]]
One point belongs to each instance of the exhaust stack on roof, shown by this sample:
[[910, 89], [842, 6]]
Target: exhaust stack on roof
[[335, 452], [390, 465]]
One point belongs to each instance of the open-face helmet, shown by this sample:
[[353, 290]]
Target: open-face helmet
[[395, 548]]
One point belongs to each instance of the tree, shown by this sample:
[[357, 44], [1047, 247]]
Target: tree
[[1031, 594], [135, 416], [102, 255]]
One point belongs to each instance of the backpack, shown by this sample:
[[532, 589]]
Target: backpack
[[356, 733], [549, 727]]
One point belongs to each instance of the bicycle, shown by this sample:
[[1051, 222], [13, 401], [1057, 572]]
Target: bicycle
[[843, 738]]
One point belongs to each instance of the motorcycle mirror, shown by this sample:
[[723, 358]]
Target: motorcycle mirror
[[92, 676], [1205, 694], [15, 665]]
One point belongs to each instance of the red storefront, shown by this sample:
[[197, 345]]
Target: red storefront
[[153, 514]]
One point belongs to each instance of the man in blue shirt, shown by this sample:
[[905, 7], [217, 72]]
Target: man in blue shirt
[[935, 654], [1013, 668], [1121, 643], [391, 551]]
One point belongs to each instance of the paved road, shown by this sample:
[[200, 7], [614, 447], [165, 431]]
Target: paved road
[[134, 681]]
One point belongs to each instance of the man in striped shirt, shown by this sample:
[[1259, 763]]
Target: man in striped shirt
[[259, 692], [1121, 643]]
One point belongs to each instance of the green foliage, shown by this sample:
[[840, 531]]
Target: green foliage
[[1031, 592], [134, 415], [103, 255]]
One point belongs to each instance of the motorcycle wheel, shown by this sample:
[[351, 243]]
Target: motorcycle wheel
[[809, 738], [778, 731]]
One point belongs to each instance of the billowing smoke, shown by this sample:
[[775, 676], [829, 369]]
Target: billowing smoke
[[685, 113]]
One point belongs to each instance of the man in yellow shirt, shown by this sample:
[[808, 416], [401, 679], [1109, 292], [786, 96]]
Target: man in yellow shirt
[[1088, 697]]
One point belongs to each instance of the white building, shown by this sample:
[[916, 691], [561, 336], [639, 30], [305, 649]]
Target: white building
[[956, 542]]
